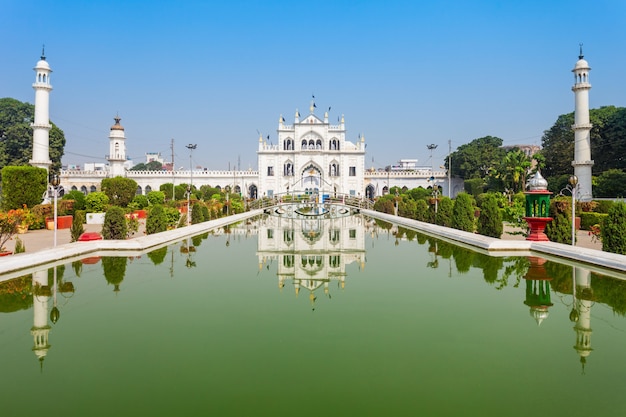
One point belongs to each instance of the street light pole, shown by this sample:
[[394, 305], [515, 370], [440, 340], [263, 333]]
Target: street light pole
[[191, 147], [54, 181], [573, 181]]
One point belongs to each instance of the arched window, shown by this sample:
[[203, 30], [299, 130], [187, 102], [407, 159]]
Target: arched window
[[311, 144], [304, 144], [138, 190], [237, 189], [44, 78], [288, 169], [93, 189], [148, 189], [74, 188], [83, 190]]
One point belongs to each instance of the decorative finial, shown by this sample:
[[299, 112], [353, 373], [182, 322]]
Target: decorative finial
[[581, 56], [43, 52]]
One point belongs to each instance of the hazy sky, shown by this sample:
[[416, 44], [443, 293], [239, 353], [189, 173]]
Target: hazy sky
[[404, 73]]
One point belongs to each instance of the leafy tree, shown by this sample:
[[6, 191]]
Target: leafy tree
[[473, 159], [611, 183], [490, 219], [156, 220], [114, 226], [150, 166], [463, 213], [16, 134], [23, 185], [512, 170], [120, 190], [207, 191], [608, 142], [613, 231], [96, 202]]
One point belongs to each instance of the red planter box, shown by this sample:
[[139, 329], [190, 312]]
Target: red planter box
[[63, 222]]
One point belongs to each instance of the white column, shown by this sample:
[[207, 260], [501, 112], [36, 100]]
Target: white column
[[582, 162]]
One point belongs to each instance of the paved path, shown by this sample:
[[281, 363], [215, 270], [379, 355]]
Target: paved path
[[583, 238], [36, 240]]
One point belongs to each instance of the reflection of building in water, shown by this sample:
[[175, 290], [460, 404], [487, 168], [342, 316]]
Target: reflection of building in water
[[538, 289], [581, 313], [312, 252], [41, 328], [41, 296]]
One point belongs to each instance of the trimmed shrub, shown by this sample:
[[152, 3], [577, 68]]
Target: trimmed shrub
[[196, 213], [603, 206], [120, 190], [490, 219], [589, 219], [422, 211], [613, 230], [78, 197], [96, 202], [156, 197], [463, 213], [23, 185], [77, 225], [560, 228], [157, 220], [114, 224], [205, 213], [443, 217], [140, 201]]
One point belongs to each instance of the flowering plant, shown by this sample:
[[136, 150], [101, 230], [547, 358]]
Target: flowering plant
[[8, 225]]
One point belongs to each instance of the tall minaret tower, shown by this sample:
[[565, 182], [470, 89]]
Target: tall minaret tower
[[582, 162], [41, 125], [117, 150]]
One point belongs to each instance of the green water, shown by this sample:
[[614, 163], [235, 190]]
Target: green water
[[396, 327]]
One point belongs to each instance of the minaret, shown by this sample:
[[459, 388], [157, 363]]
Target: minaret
[[41, 125], [117, 150], [581, 313], [582, 162]]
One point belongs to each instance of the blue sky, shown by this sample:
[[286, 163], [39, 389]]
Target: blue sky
[[404, 73]]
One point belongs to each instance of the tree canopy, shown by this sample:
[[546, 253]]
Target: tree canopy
[[16, 135], [474, 159]]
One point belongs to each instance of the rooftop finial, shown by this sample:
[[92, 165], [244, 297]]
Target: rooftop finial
[[581, 56], [43, 52]]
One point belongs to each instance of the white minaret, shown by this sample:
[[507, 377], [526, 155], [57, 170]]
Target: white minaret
[[41, 125], [117, 150], [582, 162]]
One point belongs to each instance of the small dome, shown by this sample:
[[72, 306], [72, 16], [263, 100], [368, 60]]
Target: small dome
[[42, 64], [581, 64], [117, 125], [537, 183]]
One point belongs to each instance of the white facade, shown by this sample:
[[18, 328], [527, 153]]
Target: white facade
[[582, 162], [311, 157], [41, 125]]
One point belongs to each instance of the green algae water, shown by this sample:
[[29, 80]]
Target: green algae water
[[340, 317]]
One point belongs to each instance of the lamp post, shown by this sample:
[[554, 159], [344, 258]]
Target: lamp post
[[573, 185], [191, 147], [54, 182]]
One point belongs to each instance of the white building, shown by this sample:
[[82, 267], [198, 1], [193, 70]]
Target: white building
[[311, 157]]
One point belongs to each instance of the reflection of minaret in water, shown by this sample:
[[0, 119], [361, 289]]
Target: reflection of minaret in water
[[538, 289], [40, 329], [581, 313]]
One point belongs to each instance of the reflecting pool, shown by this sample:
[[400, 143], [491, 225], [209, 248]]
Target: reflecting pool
[[284, 317]]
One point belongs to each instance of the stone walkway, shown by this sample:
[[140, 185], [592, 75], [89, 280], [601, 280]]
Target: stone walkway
[[584, 239]]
